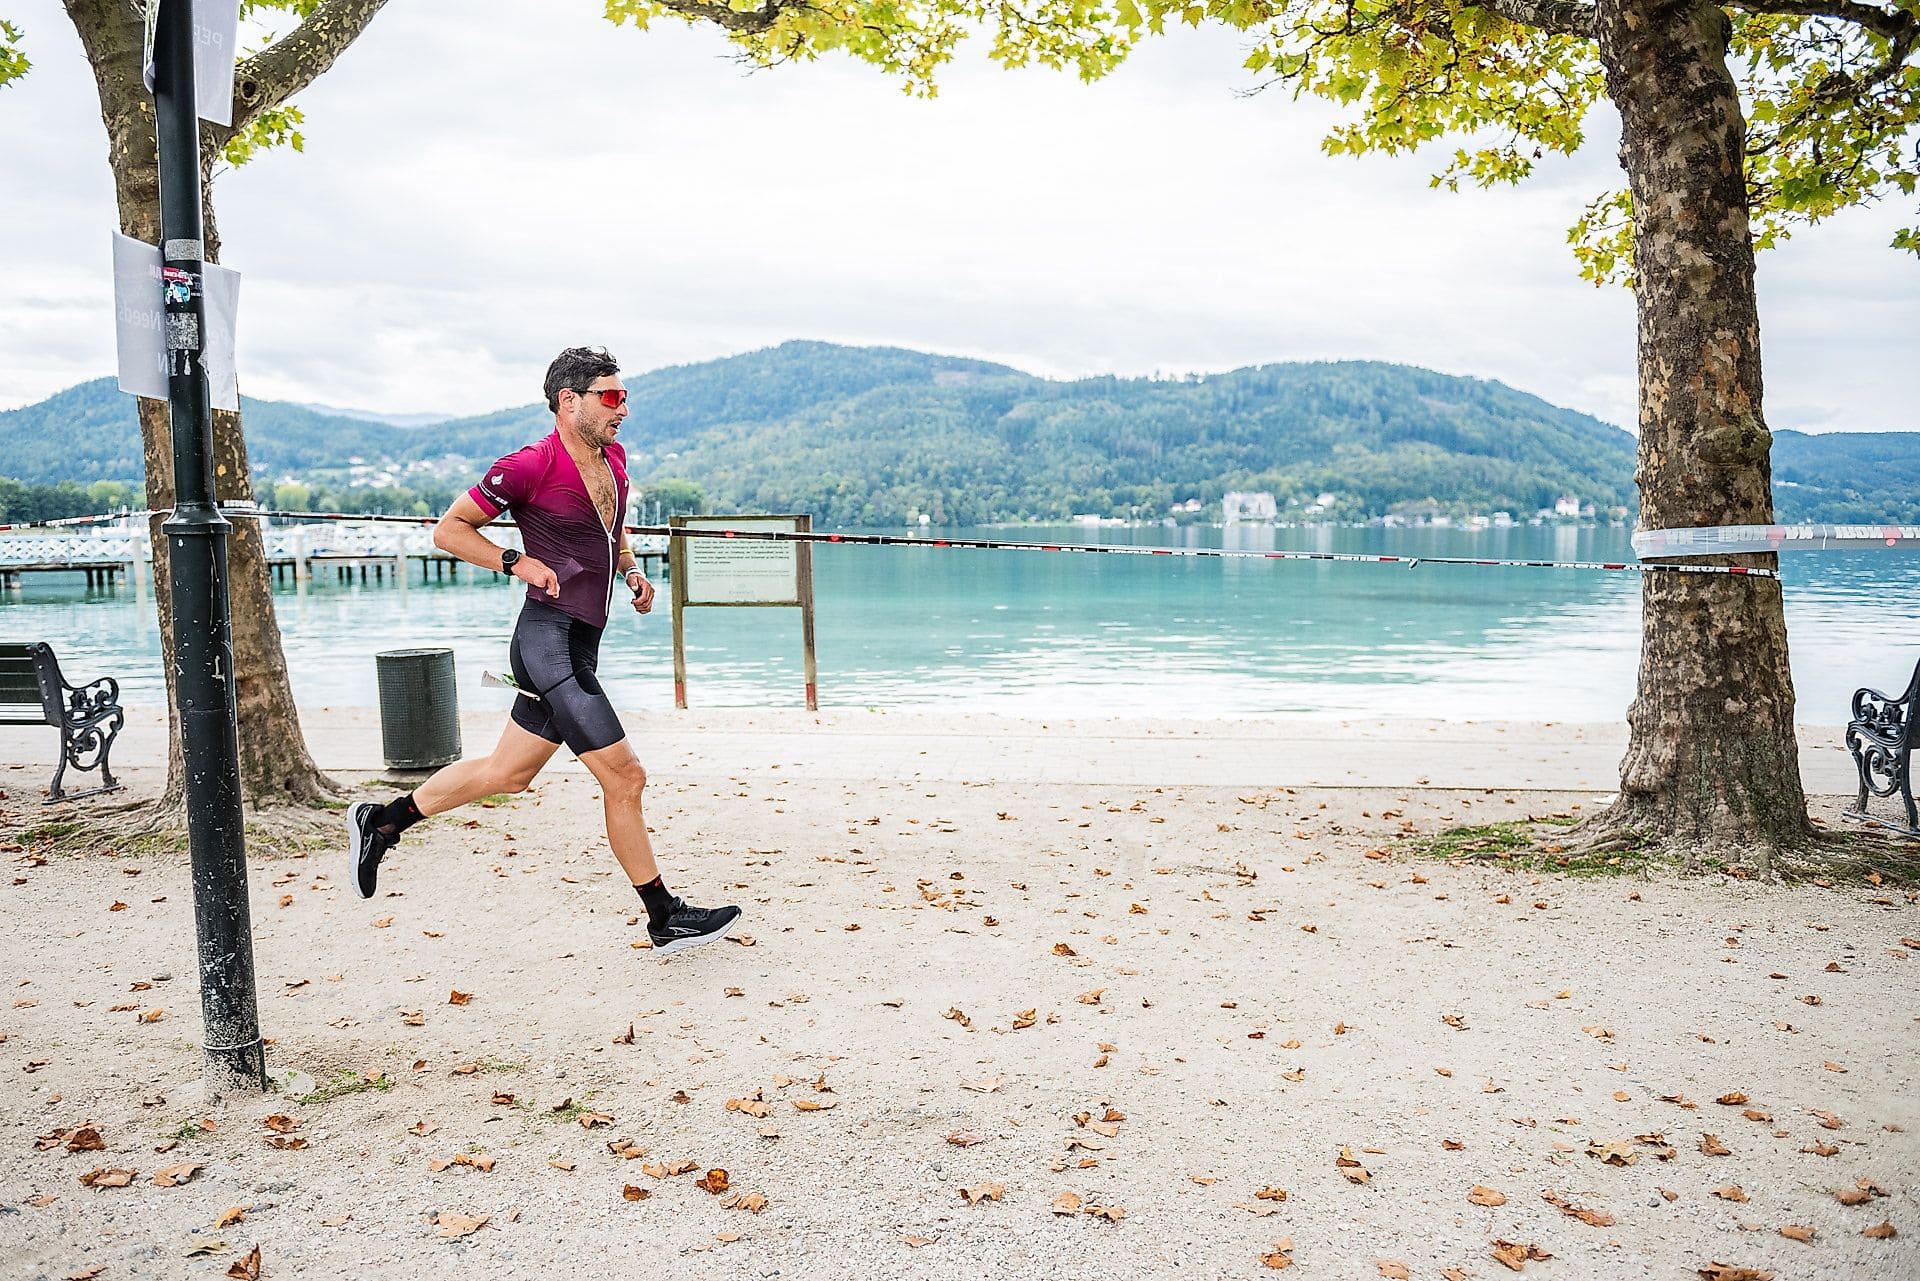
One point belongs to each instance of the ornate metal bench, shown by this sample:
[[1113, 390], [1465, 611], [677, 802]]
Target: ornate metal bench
[[1881, 737], [87, 716]]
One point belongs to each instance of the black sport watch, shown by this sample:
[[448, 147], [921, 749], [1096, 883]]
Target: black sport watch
[[508, 559]]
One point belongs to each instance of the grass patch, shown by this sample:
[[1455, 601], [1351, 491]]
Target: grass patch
[[184, 1131], [491, 1064], [1517, 846], [1491, 841], [345, 1081], [58, 829], [572, 1111]]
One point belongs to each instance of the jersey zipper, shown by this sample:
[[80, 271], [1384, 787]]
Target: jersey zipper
[[619, 517]]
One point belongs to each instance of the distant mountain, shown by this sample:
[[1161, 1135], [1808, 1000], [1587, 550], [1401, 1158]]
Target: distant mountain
[[90, 432], [877, 436]]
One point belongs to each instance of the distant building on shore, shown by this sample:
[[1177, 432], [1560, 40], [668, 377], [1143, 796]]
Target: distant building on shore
[[1236, 507]]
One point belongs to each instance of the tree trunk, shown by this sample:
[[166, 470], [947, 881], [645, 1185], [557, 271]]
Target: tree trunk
[[275, 767], [1711, 765]]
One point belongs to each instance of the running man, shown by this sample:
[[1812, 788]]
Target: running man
[[568, 494]]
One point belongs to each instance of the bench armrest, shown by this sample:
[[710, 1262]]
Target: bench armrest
[[1872, 707], [93, 698]]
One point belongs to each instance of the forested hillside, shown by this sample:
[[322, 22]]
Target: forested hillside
[[879, 436]]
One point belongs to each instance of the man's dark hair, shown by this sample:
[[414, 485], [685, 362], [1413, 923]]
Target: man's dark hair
[[575, 368]]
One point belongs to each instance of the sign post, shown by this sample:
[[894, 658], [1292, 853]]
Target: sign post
[[235, 1057], [752, 572]]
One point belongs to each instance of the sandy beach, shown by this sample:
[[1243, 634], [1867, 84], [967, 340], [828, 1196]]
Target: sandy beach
[[1012, 998]]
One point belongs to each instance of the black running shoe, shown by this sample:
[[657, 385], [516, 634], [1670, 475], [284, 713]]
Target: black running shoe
[[366, 844], [688, 926]]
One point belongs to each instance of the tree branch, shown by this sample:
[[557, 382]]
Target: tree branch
[[292, 62], [1561, 17], [1891, 23], [748, 21]]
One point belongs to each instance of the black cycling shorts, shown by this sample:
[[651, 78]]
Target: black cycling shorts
[[557, 657]]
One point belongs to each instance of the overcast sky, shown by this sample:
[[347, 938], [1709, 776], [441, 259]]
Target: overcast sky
[[485, 182]]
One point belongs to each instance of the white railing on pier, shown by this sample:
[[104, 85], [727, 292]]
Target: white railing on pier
[[333, 540]]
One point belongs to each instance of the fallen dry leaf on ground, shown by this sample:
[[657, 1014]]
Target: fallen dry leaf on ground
[[172, 1176], [452, 1226], [246, 1267], [1484, 1195], [1516, 1255], [1733, 1272], [1066, 1203], [1618, 1152], [983, 1192], [1350, 1168], [1281, 1256], [84, 1139], [1862, 1191], [107, 1177], [1596, 1218]]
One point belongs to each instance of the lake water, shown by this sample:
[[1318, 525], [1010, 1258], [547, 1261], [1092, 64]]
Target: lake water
[[1047, 634]]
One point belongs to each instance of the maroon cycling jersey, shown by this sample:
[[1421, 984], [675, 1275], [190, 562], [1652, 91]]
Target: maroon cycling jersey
[[559, 525]]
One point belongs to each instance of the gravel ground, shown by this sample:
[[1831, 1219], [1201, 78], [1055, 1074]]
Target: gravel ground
[[1160, 1002]]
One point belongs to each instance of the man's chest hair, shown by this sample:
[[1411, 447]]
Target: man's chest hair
[[598, 478]]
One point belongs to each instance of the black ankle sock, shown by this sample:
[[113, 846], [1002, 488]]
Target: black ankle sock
[[398, 815], [658, 898]]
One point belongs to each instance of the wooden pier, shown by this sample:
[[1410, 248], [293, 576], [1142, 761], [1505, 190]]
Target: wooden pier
[[295, 554]]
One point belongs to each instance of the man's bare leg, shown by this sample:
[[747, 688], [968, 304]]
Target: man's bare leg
[[510, 767], [672, 924], [372, 829], [622, 781]]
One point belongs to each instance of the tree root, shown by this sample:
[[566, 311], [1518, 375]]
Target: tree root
[[1816, 855], [1879, 859], [152, 827]]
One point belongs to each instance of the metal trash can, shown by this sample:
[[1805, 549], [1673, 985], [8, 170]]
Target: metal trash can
[[419, 708]]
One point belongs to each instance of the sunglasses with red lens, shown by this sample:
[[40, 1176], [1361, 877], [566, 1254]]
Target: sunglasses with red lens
[[611, 397]]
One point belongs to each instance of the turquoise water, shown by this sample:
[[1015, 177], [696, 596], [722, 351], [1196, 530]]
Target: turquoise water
[[1048, 634]]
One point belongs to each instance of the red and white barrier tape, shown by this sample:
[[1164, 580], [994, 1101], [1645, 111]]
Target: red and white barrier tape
[[1119, 549], [1717, 540]]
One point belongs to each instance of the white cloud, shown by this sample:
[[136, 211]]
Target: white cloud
[[478, 191]]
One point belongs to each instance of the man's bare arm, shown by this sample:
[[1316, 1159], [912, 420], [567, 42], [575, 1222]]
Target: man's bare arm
[[458, 534]]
